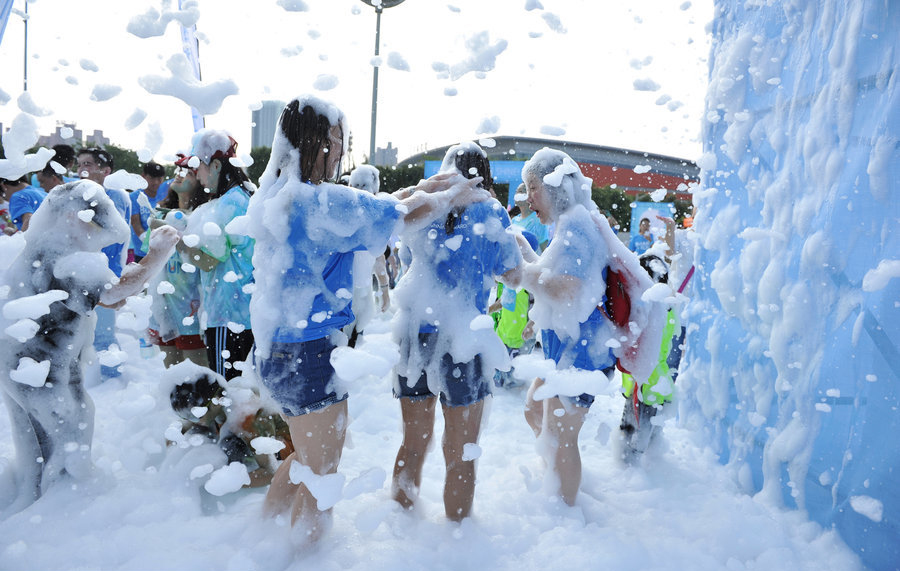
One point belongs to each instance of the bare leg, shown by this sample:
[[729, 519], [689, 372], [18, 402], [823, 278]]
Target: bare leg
[[318, 439], [281, 491], [461, 426], [418, 428], [27, 438], [563, 432], [534, 411]]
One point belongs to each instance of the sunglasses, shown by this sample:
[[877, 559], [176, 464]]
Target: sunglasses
[[183, 172]]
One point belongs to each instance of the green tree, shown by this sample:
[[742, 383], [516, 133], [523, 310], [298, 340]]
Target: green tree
[[501, 189], [682, 209], [124, 159], [612, 201], [260, 156], [395, 178]]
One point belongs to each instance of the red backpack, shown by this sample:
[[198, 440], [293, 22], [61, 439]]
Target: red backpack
[[617, 305]]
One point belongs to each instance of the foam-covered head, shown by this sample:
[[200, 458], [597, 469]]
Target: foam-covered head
[[469, 160], [209, 144], [83, 213], [154, 170], [655, 267], [562, 179], [309, 141], [521, 196], [366, 177]]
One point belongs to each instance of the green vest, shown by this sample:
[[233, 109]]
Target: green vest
[[509, 325], [648, 392]]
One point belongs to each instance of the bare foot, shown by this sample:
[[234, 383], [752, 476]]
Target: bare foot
[[404, 492], [534, 410], [306, 532]]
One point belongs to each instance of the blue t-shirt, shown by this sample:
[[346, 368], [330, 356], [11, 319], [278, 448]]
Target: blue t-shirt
[[533, 224], [116, 252], [639, 244], [588, 352], [320, 233], [25, 201], [577, 251], [467, 261]]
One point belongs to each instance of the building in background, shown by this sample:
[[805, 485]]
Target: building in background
[[385, 157], [264, 121], [69, 134], [632, 172]]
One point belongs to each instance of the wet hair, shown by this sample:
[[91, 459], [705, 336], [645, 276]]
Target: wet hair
[[229, 177], [171, 199], [471, 161], [307, 131], [365, 177], [655, 267], [198, 197], [473, 157], [154, 170], [65, 155], [103, 158], [198, 392], [11, 182], [48, 171]]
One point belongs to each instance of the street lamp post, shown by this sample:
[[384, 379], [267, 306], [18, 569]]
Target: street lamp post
[[379, 6]]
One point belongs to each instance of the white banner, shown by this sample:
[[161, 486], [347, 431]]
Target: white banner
[[191, 48]]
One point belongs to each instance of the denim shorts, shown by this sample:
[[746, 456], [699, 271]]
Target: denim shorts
[[582, 353], [462, 384], [585, 400], [300, 376], [555, 349]]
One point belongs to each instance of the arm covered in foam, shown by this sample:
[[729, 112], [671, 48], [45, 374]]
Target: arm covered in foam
[[437, 196], [540, 281], [135, 276]]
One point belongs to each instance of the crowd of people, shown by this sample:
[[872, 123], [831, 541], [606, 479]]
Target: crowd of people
[[265, 283]]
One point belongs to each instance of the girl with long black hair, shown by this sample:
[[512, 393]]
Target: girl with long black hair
[[307, 229]]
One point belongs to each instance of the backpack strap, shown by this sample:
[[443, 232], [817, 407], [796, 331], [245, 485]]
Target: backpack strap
[[687, 278]]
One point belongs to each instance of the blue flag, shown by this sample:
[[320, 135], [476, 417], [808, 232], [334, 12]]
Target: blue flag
[[191, 48]]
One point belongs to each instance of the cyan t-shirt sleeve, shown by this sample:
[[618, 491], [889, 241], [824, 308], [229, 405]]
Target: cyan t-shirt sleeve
[[215, 240]]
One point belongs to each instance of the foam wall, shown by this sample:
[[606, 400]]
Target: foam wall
[[792, 359]]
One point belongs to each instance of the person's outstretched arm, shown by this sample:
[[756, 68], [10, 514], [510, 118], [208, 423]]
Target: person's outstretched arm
[[437, 196], [135, 276]]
